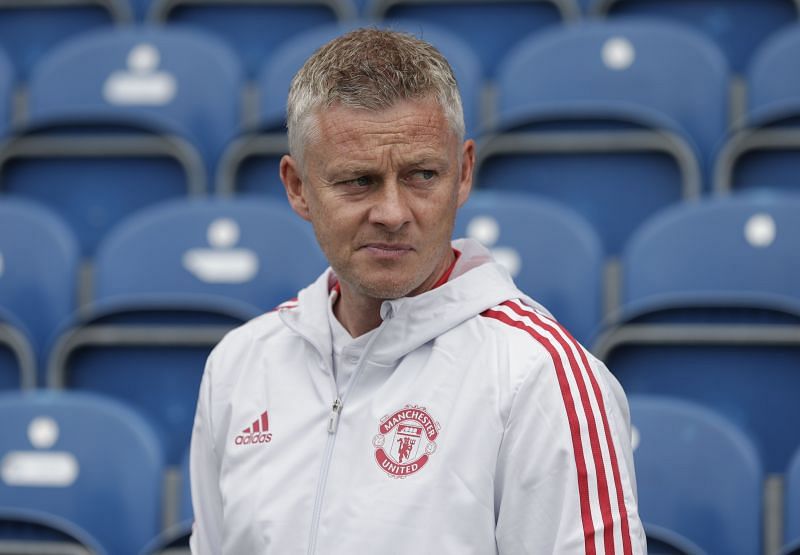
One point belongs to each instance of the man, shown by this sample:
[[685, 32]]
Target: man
[[411, 399]]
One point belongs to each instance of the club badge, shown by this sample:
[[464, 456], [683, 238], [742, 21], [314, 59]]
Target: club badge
[[405, 441]]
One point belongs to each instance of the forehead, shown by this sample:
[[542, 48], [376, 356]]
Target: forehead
[[407, 126]]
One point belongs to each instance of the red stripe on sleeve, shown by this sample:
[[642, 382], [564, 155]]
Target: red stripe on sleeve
[[572, 419], [602, 484]]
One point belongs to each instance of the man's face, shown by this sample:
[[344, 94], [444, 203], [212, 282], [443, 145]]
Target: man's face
[[381, 190]]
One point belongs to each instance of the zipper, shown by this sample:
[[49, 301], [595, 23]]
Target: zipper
[[333, 426], [333, 420]]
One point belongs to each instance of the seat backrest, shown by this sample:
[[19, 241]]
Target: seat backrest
[[29, 30], [736, 27], [38, 268], [697, 475], [624, 70], [723, 247], [773, 89], [496, 26], [253, 29], [84, 459], [185, 79], [550, 251], [255, 251]]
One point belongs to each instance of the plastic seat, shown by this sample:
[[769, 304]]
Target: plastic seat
[[699, 478], [169, 283], [183, 79], [736, 27], [494, 26], [122, 139], [84, 460], [228, 249], [30, 29], [251, 162], [711, 313], [253, 28], [38, 284], [761, 153], [611, 128], [550, 251]]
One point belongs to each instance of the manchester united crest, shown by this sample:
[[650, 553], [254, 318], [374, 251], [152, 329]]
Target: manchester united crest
[[405, 441]]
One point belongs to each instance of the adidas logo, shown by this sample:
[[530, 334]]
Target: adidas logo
[[257, 432]]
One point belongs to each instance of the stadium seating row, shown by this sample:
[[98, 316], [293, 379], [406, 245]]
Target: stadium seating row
[[255, 27], [709, 299], [119, 120], [699, 480]]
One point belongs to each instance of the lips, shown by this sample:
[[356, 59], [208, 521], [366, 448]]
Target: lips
[[388, 246], [387, 250]]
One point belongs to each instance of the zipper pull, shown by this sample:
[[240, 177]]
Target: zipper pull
[[333, 422]]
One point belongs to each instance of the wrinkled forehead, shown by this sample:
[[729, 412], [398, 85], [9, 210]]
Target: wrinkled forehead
[[414, 128]]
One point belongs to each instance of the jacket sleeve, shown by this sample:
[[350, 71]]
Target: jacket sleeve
[[565, 480], [204, 468]]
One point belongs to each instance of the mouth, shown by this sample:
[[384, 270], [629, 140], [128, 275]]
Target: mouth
[[387, 250]]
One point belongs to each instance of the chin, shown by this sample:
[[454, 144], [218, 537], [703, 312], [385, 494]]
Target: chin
[[385, 290]]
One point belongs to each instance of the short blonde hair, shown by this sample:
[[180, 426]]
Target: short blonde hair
[[372, 69]]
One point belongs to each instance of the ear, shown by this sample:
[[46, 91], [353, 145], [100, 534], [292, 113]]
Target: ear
[[467, 166], [292, 179]]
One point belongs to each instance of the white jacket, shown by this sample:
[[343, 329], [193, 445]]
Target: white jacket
[[473, 425]]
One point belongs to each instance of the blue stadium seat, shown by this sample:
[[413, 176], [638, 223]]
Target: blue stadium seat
[[761, 153], [122, 138], [589, 115], [253, 28], [251, 162], [736, 27], [256, 252], [711, 313], [38, 280], [169, 283], [791, 521], [85, 460], [185, 80], [30, 29], [25, 531], [495, 27], [699, 478], [552, 253]]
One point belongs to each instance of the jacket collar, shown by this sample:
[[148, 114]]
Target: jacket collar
[[474, 283]]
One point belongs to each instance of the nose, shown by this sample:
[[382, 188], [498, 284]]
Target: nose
[[390, 210]]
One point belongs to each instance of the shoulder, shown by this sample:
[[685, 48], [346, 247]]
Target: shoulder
[[242, 343], [546, 357]]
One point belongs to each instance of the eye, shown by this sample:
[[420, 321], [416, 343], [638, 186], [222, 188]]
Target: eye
[[361, 181], [423, 176]]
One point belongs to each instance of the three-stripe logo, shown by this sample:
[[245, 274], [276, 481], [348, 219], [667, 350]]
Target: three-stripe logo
[[257, 433]]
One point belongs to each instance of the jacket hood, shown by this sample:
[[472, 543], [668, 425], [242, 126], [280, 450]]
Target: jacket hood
[[476, 283]]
